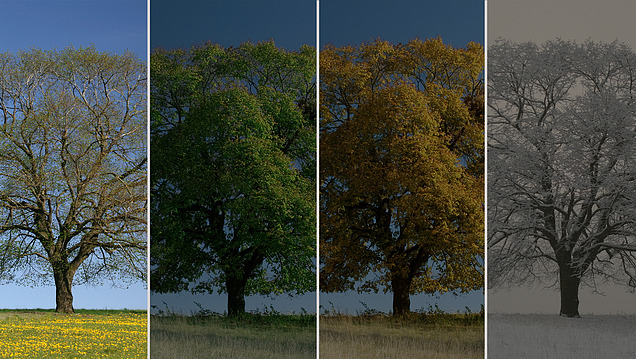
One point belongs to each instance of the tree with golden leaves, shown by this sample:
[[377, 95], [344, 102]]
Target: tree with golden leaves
[[401, 171]]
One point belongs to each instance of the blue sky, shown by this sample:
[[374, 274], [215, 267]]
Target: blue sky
[[112, 26], [291, 23], [352, 22], [182, 24]]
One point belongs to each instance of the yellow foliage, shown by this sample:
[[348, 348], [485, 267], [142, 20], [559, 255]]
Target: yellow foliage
[[401, 161]]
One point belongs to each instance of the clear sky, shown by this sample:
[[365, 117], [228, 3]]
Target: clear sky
[[182, 24], [352, 22], [291, 23], [579, 20], [110, 25]]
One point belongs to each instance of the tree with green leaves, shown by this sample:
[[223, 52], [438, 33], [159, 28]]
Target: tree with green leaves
[[233, 171], [72, 168], [401, 169]]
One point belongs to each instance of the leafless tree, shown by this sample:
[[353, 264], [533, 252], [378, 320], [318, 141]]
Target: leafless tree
[[561, 165]]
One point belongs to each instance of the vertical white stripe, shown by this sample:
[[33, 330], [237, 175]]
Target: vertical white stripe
[[148, 178], [486, 179], [317, 179]]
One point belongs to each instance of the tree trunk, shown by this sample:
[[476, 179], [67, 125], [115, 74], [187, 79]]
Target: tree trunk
[[401, 287], [63, 285], [569, 283], [235, 296]]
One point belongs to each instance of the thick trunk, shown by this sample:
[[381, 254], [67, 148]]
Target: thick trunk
[[235, 296], [63, 285], [237, 276], [401, 287], [569, 285]]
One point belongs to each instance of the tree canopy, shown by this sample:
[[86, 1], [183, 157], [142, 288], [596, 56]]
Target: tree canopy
[[72, 168], [562, 181], [401, 171], [233, 170]]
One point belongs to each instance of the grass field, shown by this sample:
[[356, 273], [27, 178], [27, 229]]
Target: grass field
[[214, 336], [433, 336], [86, 334], [551, 336]]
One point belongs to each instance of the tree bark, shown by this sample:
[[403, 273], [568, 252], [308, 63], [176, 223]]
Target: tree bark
[[63, 289], [235, 296], [401, 287], [569, 285]]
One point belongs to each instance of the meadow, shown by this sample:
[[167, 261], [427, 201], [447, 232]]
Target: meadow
[[420, 335], [85, 334], [551, 336], [217, 336]]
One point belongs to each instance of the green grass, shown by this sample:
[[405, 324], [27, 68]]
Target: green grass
[[416, 336], [77, 311], [42, 333], [216, 336]]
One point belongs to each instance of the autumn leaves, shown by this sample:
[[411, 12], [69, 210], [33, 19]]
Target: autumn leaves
[[234, 170], [401, 169]]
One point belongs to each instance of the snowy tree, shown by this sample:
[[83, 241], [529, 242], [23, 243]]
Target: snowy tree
[[561, 148]]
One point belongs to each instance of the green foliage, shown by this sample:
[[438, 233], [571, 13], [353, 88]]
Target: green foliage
[[233, 169]]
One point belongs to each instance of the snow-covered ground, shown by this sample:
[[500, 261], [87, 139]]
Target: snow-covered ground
[[539, 336]]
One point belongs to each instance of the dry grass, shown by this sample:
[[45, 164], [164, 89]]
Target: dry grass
[[420, 336], [220, 337]]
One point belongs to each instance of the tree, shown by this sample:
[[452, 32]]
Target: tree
[[233, 171], [401, 169], [73, 176], [561, 151]]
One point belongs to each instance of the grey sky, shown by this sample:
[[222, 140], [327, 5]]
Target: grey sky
[[541, 20], [578, 20]]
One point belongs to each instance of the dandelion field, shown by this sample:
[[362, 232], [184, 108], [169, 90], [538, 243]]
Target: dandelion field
[[88, 333]]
